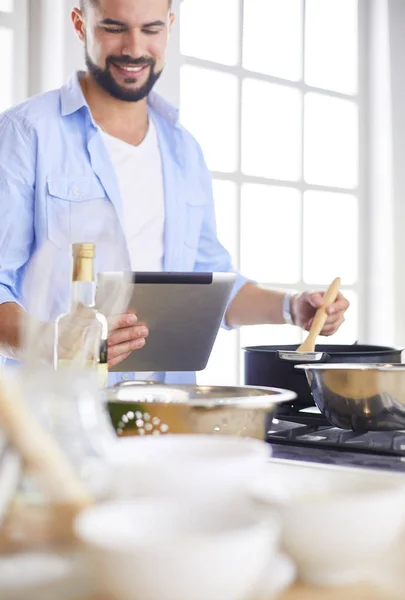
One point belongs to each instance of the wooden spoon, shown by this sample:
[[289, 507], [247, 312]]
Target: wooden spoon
[[37, 448], [308, 345]]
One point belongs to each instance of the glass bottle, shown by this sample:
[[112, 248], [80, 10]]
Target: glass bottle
[[81, 334]]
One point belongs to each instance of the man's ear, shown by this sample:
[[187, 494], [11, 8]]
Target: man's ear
[[172, 19], [78, 23]]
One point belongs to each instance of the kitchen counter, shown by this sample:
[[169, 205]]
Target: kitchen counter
[[36, 530], [300, 592], [359, 592], [304, 592]]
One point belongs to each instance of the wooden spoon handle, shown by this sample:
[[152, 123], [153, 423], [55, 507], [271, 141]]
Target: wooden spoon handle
[[39, 451], [331, 294], [320, 317]]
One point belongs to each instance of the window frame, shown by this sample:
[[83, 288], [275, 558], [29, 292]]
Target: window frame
[[360, 192]]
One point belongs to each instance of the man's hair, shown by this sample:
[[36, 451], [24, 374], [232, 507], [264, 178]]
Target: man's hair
[[84, 3]]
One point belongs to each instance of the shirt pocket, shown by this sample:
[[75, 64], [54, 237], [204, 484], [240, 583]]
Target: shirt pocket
[[195, 207], [77, 211]]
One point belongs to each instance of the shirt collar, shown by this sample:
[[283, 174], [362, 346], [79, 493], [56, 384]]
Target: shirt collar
[[72, 97], [72, 100], [163, 108]]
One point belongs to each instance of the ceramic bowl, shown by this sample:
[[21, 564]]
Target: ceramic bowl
[[154, 549], [335, 524], [207, 468]]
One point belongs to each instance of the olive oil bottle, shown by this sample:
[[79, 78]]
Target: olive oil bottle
[[81, 334]]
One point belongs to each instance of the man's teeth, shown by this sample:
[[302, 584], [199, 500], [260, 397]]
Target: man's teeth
[[132, 69]]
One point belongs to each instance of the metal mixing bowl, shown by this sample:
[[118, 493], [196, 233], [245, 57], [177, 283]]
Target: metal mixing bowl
[[362, 397], [145, 409]]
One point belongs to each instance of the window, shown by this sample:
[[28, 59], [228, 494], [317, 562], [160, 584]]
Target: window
[[13, 51], [270, 88]]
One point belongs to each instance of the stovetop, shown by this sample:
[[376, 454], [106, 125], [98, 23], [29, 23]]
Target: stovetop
[[307, 436]]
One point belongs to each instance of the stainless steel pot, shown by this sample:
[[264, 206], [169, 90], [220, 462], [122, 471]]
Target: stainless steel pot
[[274, 365], [137, 409], [362, 397]]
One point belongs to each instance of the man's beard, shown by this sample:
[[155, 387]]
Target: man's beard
[[105, 79]]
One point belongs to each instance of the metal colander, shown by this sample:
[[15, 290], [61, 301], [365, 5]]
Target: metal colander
[[144, 409]]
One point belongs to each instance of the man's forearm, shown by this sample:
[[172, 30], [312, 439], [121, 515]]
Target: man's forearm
[[11, 317], [255, 306]]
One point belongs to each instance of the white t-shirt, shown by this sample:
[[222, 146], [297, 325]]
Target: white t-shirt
[[139, 173], [140, 179]]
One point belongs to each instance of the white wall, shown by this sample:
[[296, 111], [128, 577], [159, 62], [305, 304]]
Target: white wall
[[385, 284], [379, 197], [73, 48], [397, 54], [46, 45]]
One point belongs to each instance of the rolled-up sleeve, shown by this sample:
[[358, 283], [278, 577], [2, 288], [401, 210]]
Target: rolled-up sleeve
[[17, 188], [212, 256]]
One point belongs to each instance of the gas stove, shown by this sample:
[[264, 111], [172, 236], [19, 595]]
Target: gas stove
[[306, 435]]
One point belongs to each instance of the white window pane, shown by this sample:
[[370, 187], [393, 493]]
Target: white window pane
[[331, 55], [331, 231], [210, 30], [271, 130], [209, 110], [271, 233], [222, 368], [273, 37], [348, 333], [226, 212], [331, 141], [6, 6], [7, 62]]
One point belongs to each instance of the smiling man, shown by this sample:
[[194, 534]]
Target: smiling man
[[105, 159], [122, 75]]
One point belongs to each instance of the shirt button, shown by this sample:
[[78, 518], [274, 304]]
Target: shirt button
[[76, 192], [126, 377]]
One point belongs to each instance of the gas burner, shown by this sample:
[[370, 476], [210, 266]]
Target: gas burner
[[307, 435]]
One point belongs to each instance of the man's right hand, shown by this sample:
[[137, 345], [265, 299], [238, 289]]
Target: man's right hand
[[125, 337]]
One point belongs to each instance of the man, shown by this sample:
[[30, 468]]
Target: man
[[104, 159]]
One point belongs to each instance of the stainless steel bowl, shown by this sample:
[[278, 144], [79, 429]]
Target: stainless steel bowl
[[362, 397], [158, 409]]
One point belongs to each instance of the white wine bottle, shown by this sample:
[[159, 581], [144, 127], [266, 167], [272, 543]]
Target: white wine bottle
[[81, 335]]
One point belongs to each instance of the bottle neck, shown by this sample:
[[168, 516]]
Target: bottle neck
[[83, 284], [84, 293]]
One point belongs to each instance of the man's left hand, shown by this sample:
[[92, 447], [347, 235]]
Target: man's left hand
[[305, 305]]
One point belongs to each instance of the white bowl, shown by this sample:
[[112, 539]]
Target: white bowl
[[163, 550], [337, 526], [280, 574], [206, 467]]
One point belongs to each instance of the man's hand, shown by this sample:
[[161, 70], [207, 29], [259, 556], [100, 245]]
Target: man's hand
[[125, 337], [305, 305]]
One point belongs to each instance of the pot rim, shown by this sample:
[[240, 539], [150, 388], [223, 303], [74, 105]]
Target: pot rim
[[373, 349], [379, 367]]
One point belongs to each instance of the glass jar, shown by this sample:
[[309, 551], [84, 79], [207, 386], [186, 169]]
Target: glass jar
[[69, 405]]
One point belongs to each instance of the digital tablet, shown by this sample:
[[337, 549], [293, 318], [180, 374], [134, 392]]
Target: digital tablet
[[183, 312]]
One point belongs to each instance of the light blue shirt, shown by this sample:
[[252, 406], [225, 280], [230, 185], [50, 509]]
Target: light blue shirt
[[58, 186]]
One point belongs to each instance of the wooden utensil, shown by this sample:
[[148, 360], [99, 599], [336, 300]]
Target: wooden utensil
[[308, 345], [40, 453]]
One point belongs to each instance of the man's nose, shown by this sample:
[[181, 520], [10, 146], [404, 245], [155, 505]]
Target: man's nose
[[133, 44]]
